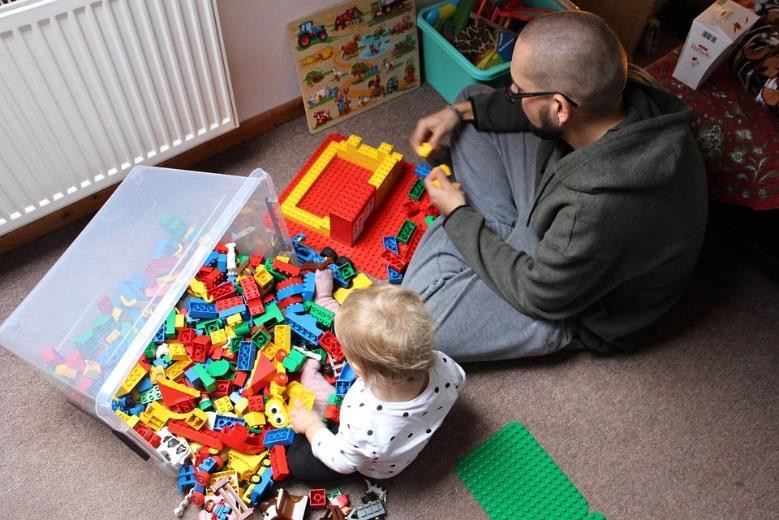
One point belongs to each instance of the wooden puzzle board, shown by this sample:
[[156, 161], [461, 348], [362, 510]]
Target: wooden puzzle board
[[353, 56]]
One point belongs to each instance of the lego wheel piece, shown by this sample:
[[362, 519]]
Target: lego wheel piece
[[512, 476], [329, 252]]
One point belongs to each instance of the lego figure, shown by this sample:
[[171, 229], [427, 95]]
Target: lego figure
[[401, 395], [215, 509]]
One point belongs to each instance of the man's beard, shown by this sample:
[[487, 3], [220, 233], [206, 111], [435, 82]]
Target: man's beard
[[547, 130]]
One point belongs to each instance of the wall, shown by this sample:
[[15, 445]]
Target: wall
[[258, 50]]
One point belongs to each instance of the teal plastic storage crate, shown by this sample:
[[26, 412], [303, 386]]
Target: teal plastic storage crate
[[448, 71]]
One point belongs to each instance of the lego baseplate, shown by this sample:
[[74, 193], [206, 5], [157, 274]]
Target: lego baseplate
[[386, 220], [512, 477]]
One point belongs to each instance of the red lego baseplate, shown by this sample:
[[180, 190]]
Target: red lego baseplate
[[386, 220]]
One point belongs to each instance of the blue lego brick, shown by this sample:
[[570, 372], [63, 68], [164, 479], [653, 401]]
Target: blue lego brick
[[136, 410], [198, 309], [225, 421], [285, 436], [292, 290], [144, 384], [186, 479], [193, 378], [304, 325], [262, 488], [160, 336], [211, 259], [209, 464], [347, 373], [238, 309], [304, 253], [309, 286], [246, 356], [393, 276], [341, 387], [222, 512], [295, 308], [422, 170], [391, 244], [337, 276], [221, 263]]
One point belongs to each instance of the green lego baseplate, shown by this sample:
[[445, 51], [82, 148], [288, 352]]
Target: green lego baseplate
[[512, 477]]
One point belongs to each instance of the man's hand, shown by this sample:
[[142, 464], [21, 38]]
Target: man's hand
[[304, 420], [433, 128], [446, 196]]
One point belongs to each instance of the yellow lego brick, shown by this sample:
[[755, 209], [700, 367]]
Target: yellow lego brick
[[176, 369], [176, 351], [155, 416], [131, 420], [385, 148], [179, 321], [242, 405], [157, 372], [282, 258], [223, 405], [192, 392], [198, 290], [218, 337], [446, 169], [277, 390], [234, 319], [229, 332], [246, 465], [92, 369], [232, 475], [263, 278], [309, 220], [354, 140], [424, 150], [254, 418], [270, 350], [297, 391], [282, 337], [132, 379], [196, 419], [361, 281]]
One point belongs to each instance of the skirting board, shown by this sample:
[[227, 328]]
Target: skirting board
[[248, 129]]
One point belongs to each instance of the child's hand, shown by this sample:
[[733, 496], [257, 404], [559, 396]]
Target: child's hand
[[302, 418], [324, 282]]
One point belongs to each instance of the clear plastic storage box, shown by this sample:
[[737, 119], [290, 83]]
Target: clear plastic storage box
[[90, 318]]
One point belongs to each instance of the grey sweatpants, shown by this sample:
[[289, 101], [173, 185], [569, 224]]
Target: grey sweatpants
[[473, 323]]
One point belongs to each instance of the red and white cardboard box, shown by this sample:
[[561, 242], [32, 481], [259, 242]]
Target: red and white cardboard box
[[712, 37]]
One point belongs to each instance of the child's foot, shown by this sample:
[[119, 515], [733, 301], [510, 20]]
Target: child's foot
[[313, 379]]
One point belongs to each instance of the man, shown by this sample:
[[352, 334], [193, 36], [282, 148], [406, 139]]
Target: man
[[584, 204]]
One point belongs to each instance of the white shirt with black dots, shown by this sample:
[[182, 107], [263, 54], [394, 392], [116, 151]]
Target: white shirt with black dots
[[379, 438]]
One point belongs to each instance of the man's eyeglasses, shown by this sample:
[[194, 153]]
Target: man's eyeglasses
[[513, 97]]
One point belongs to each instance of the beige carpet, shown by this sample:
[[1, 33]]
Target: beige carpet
[[688, 428]]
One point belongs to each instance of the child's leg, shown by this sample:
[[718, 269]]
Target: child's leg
[[304, 466]]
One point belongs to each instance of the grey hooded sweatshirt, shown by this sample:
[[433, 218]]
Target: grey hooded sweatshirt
[[620, 222]]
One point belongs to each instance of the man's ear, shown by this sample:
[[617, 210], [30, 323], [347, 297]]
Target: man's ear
[[561, 110]]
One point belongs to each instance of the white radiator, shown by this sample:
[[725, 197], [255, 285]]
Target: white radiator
[[90, 88]]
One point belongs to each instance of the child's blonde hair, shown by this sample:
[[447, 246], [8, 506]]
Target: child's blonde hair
[[387, 332]]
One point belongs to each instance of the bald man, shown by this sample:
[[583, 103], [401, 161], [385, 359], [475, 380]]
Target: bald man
[[583, 204]]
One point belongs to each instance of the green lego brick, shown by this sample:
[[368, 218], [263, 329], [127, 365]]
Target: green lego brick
[[170, 324], [241, 330], [417, 190], [261, 338], [151, 351], [274, 273], [293, 361], [512, 476], [218, 369], [322, 316], [406, 232], [234, 342], [152, 394], [347, 271], [335, 399]]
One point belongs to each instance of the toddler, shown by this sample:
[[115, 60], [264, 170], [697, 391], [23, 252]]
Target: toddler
[[402, 393]]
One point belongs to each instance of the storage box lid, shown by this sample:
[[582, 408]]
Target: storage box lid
[[727, 20], [89, 319]]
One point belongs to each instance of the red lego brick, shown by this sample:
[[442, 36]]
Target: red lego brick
[[221, 248], [204, 437], [397, 262], [256, 308], [256, 403], [225, 290], [239, 379], [285, 267], [317, 498], [186, 336], [250, 289], [286, 302], [228, 303], [238, 437], [148, 434], [332, 413], [222, 388], [332, 346], [264, 371], [255, 260], [278, 463], [351, 211]]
